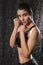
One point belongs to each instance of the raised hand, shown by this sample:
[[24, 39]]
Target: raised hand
[[16, 22], [22, 28]]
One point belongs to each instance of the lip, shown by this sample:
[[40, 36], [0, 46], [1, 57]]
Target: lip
[[24, 22]]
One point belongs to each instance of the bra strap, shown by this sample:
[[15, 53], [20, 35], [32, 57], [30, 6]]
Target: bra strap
[[31, 28]]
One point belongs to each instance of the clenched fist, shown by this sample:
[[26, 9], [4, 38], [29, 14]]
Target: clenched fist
[[22, 28], [16, 22]]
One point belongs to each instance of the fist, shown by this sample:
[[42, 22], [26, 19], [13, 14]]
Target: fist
[[22, 28], [16, 21]]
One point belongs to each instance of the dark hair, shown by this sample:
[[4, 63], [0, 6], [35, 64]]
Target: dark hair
[[25, 6]]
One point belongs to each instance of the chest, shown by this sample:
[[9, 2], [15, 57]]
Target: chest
[[27, 34], [18, 42]]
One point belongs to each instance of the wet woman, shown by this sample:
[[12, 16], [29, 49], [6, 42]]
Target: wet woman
[[25, 35]]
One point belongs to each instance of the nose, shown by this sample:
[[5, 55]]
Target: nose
[[22, 18]]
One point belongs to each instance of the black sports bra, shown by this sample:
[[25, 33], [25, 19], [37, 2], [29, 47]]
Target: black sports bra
[[26, 36]]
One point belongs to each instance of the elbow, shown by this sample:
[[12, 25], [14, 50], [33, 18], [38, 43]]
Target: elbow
[[12, 45]]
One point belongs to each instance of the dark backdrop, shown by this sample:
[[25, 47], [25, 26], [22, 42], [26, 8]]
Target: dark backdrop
[[7, 13]]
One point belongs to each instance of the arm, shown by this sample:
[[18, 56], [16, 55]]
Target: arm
[[13, 35], [28, 47]]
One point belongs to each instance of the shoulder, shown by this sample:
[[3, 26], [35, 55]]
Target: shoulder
[[34, 32]]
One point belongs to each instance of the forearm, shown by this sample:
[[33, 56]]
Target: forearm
[[13, 37], [24, 46]]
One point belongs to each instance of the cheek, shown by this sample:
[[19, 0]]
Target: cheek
[[26, 18], [20, 18]]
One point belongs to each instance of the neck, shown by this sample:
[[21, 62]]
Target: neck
[[28, 24]]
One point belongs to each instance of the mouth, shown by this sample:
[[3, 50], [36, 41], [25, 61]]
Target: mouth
[[24, 23]]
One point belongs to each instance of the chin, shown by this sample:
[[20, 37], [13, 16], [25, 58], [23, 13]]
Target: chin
[[25, 24]]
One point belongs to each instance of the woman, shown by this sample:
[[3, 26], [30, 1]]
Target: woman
[[25, 35]]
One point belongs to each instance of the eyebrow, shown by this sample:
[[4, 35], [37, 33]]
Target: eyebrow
[[23, 14]]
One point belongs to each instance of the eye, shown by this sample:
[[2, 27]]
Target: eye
[[25, 14]]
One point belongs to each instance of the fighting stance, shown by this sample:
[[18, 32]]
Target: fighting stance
[[25, 35]]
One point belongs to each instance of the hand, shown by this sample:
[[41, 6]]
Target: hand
[[16, 22], [22, 28]]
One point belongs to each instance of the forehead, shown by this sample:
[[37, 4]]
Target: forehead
[[21, 11]]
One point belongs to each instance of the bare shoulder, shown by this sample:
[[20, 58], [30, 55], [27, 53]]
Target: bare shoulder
[[35, 32]]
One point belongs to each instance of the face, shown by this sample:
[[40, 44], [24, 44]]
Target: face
[[23, 16]]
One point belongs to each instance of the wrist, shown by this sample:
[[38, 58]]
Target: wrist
[[21, 32], [16, 27]]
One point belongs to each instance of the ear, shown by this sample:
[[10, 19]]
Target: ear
[[30, 14]]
